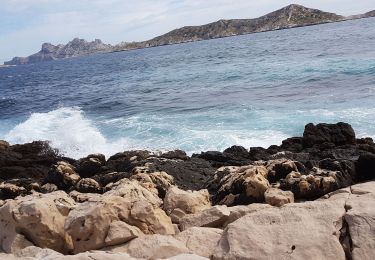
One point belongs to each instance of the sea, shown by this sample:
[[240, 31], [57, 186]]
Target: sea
[[250, 90]]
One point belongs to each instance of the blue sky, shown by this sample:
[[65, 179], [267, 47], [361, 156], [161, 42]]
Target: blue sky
[[26, 24]]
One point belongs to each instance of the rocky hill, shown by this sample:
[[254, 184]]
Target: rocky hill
[[287, 17], [75, 48]]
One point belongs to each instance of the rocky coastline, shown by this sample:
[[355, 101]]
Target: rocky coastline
[[310, 197]]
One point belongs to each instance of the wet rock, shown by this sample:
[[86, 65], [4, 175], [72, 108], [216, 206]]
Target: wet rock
[[31, 160], [336, 134], [366, 167], [90, 165], [106, 178], [233, 156], [176, 154], [277, 197]]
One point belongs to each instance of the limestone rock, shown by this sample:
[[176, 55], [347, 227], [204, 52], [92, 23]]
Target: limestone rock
[[187, 257], [200, 240], [152, 247], [39, 217], [89, 223], [10, 191], [133, 191], [295, 231], [361, 220], [277, 197], [120, 232], [215, 216], [189, 202]]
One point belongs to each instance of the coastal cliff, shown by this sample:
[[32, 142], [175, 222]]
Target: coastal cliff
[[287, 17], [311, 196]]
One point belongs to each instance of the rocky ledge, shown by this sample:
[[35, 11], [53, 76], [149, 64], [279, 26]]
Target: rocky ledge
[[311, 197]]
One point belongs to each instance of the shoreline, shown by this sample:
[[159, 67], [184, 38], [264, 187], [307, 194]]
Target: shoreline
[[142, 205]]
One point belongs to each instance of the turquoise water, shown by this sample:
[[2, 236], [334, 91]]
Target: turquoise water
[[251, 90]]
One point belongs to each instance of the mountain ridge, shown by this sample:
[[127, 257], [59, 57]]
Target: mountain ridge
[[287, 17]]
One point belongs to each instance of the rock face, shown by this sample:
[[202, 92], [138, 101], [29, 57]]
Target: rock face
[[75, 48]]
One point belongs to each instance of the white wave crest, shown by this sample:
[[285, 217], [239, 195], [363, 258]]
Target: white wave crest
[[67, 129]]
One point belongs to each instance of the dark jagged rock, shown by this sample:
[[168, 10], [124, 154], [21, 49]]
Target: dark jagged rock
[[366, 167], [90, 165], [235, 155], [31, 160], [328, 135]]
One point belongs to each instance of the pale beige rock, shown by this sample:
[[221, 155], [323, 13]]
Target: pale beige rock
[[121, 232], [201, 241], [215, 216], [133, 191], [176, 215], [17, 243], [360, 218], [152, 247], [187, 257], [295, 231], [39, 217], [189, 202], [237, 212], [277, 197], [89, 223], [36, 253]]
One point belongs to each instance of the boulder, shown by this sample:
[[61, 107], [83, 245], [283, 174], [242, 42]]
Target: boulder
[[88, 185], [240, 185], [366, 166], [132, 190], [187, 257], [360, 218], [40, 218], [90, 222], [277, 197], [200, 240], [158, 182], [189, 202], [295, 231], [176, 154], [63, 175], [213, 217], [336, 134], [120, 232], [4, 145], [90, 165], [152, 247], [279, 169]]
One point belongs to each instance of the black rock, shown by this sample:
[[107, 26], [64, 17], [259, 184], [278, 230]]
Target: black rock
[[366, 167]]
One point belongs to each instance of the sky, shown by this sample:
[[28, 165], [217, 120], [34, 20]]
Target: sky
[[26, 24]]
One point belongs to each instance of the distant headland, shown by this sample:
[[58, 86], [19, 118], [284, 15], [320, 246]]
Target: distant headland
[[288, 17]]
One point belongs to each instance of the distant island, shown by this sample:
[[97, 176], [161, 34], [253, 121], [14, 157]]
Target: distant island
[[288, 17]]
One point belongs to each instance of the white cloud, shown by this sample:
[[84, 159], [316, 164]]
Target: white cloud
[[113, 21]]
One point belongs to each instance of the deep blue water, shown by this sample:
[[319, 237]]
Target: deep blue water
[[252, 90]]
